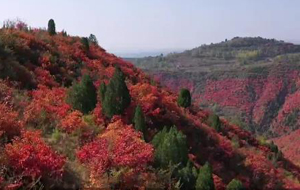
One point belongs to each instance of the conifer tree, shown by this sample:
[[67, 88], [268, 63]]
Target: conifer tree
[[51, 27], [187, 176], [235, 185], [85, 43], [93, 39], [170, 147], [139, 120], [215, 122], [102, 91], [205, 178], [83, 96], [117, 97], [184, 98]]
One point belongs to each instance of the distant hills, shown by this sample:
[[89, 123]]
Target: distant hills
[[250, 81]]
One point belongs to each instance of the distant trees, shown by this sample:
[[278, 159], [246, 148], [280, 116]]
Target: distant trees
[[139, 120], [85, 43], [170, 147], [93, 39], [51, 27], [235, 185], [184, 98], [205, 178], [116, 97], [83, 96]]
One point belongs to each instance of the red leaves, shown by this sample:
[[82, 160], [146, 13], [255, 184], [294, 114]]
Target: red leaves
[[52, 101], [95, 155], [10, 126], [119, 146], [72, 122], [30, 156]]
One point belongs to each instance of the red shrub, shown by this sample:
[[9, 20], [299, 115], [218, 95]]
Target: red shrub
[[30, 156]]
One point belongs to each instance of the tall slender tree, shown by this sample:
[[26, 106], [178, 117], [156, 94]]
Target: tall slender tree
[[117, 97], [51, 27], [139, 120]]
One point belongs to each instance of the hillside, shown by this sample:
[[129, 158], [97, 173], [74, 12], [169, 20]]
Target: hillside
[[253, 82], [54, 136]]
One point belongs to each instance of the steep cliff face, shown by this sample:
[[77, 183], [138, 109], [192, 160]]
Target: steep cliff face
[[254, 82]]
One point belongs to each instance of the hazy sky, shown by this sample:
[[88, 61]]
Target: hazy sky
[[123, 26]]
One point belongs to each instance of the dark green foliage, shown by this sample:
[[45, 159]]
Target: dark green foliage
[[93, 39], [184, 98], [117, 96], [235, 185], [205, 178], [273, 147], [85, 43], [187, 176], [170, 147], [83, 96], [214, 121], [139, 120], [51, 27], [64, 33], [102, 91]]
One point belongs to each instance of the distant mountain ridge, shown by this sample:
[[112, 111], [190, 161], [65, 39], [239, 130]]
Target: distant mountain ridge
[[251, 81]]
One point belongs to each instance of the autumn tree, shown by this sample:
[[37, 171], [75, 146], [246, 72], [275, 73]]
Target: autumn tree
[[214, 121], [139, 120], [170, 147], [184, 98], [235, 185], [117, 96], [205, 178], [83, 96], [51, 27], [93, 39]]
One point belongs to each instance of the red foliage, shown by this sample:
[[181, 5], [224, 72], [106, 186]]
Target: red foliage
[[45, 78], [72, 122], [10, 125], [30, 156], [52, 101], [119, 146]]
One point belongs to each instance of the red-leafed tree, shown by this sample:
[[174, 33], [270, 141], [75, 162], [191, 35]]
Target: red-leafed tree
[[119, 146], [29, 156], [10, 126]]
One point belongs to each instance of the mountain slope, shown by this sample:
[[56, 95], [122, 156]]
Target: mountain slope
[[251, 81], [45, 141]]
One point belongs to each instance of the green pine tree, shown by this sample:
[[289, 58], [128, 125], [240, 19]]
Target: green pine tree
[[85, 43], [214, 121], [83, 96], [102, 91], [235, 185], [170, 148], [184, 98], [205, 178], [117, 97], [187, 176], [139, 120], [93, 39], [51, 27]]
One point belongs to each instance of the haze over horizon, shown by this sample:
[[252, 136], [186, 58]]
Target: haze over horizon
[[141, 27]]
